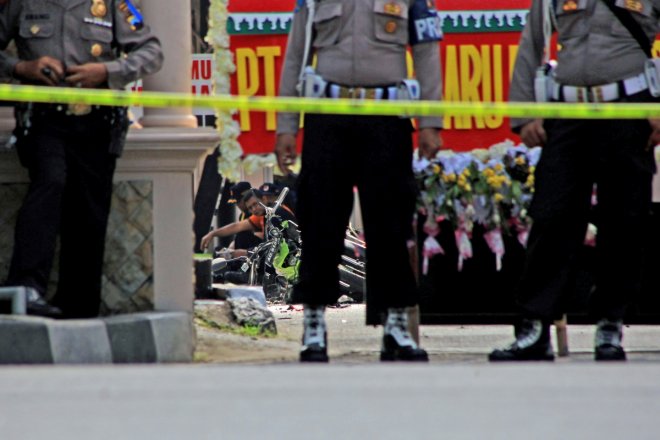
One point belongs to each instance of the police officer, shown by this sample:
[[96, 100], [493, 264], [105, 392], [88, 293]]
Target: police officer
[[70, 150], [601, 59], [360, 47]]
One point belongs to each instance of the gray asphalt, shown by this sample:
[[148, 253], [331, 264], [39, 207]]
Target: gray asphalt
[[563, 400]]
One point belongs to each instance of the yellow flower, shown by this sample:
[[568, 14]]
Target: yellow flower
[[468, 187], [436, 168], [530, 181], [451, 177], [488, 172], [496, 181], [466, 172], [532, 169], [520, 160], [499, 167], [499, 197]]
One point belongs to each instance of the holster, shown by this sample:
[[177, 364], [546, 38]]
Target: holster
[[652, 72], [118, 129], [22, 115]]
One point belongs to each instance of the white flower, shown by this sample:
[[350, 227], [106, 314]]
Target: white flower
[[481, 154], [229, 163], [420, 165], [256, 162], [499, 150]]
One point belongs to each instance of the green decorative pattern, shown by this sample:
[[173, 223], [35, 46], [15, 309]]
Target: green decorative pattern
[[454, 22], [278, 23]]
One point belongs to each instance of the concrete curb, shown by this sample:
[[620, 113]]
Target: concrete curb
[[154, 337]]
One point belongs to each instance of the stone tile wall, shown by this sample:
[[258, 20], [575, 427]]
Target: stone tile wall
[[128, 266]]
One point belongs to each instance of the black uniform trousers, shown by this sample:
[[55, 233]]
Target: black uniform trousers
[[373, 153], [613, 154], [70, 169]]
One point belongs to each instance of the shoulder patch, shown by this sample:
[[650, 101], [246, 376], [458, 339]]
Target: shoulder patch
[[424, 25], [132, 14]]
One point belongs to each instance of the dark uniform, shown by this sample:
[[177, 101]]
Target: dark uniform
[[360, 47], [243, 239], [599, 61], [70, 151]]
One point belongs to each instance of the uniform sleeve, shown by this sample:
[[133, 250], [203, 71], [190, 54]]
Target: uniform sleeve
[[426, 59], [143, 53], [528, 59], [293, 59], [9, 14]]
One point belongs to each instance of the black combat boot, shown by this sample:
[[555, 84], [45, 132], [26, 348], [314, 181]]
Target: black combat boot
[[36, 305], [398, 344], [532, 343], [315, 339], [609, 335]]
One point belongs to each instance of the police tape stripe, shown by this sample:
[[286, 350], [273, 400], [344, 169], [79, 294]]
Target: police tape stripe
[[330, 106]]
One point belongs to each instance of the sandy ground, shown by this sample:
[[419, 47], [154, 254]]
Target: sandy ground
[[350, 341]]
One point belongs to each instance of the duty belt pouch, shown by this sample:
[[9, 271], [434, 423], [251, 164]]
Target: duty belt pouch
[[118, 129], [407, 90], [543, 83], [313, 85], [652, 73]]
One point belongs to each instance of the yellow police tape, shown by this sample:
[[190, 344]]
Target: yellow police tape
[[331, 106]]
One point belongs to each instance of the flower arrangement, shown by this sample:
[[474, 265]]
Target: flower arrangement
[[229, 163], [492, 188], [255, 162]]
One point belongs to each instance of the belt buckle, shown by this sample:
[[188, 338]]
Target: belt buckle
[[582, 94], [349, 92], [596, 94]]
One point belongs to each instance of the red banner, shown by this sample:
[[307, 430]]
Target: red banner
[[477, 58]]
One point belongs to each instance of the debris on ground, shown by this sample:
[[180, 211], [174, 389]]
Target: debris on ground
[[250, 312], [236, 312], [345, 299]]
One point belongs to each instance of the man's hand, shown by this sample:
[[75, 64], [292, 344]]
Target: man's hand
[[429, 141], [87, 75], [206, 240], [47, 70], [285, 150], [654, 139], [533, 134]]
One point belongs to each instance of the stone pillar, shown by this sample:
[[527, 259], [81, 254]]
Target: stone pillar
[[170, 20], [6, 118]]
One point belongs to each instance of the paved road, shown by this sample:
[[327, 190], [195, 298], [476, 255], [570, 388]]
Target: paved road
[[577, 400], [457, 396]]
